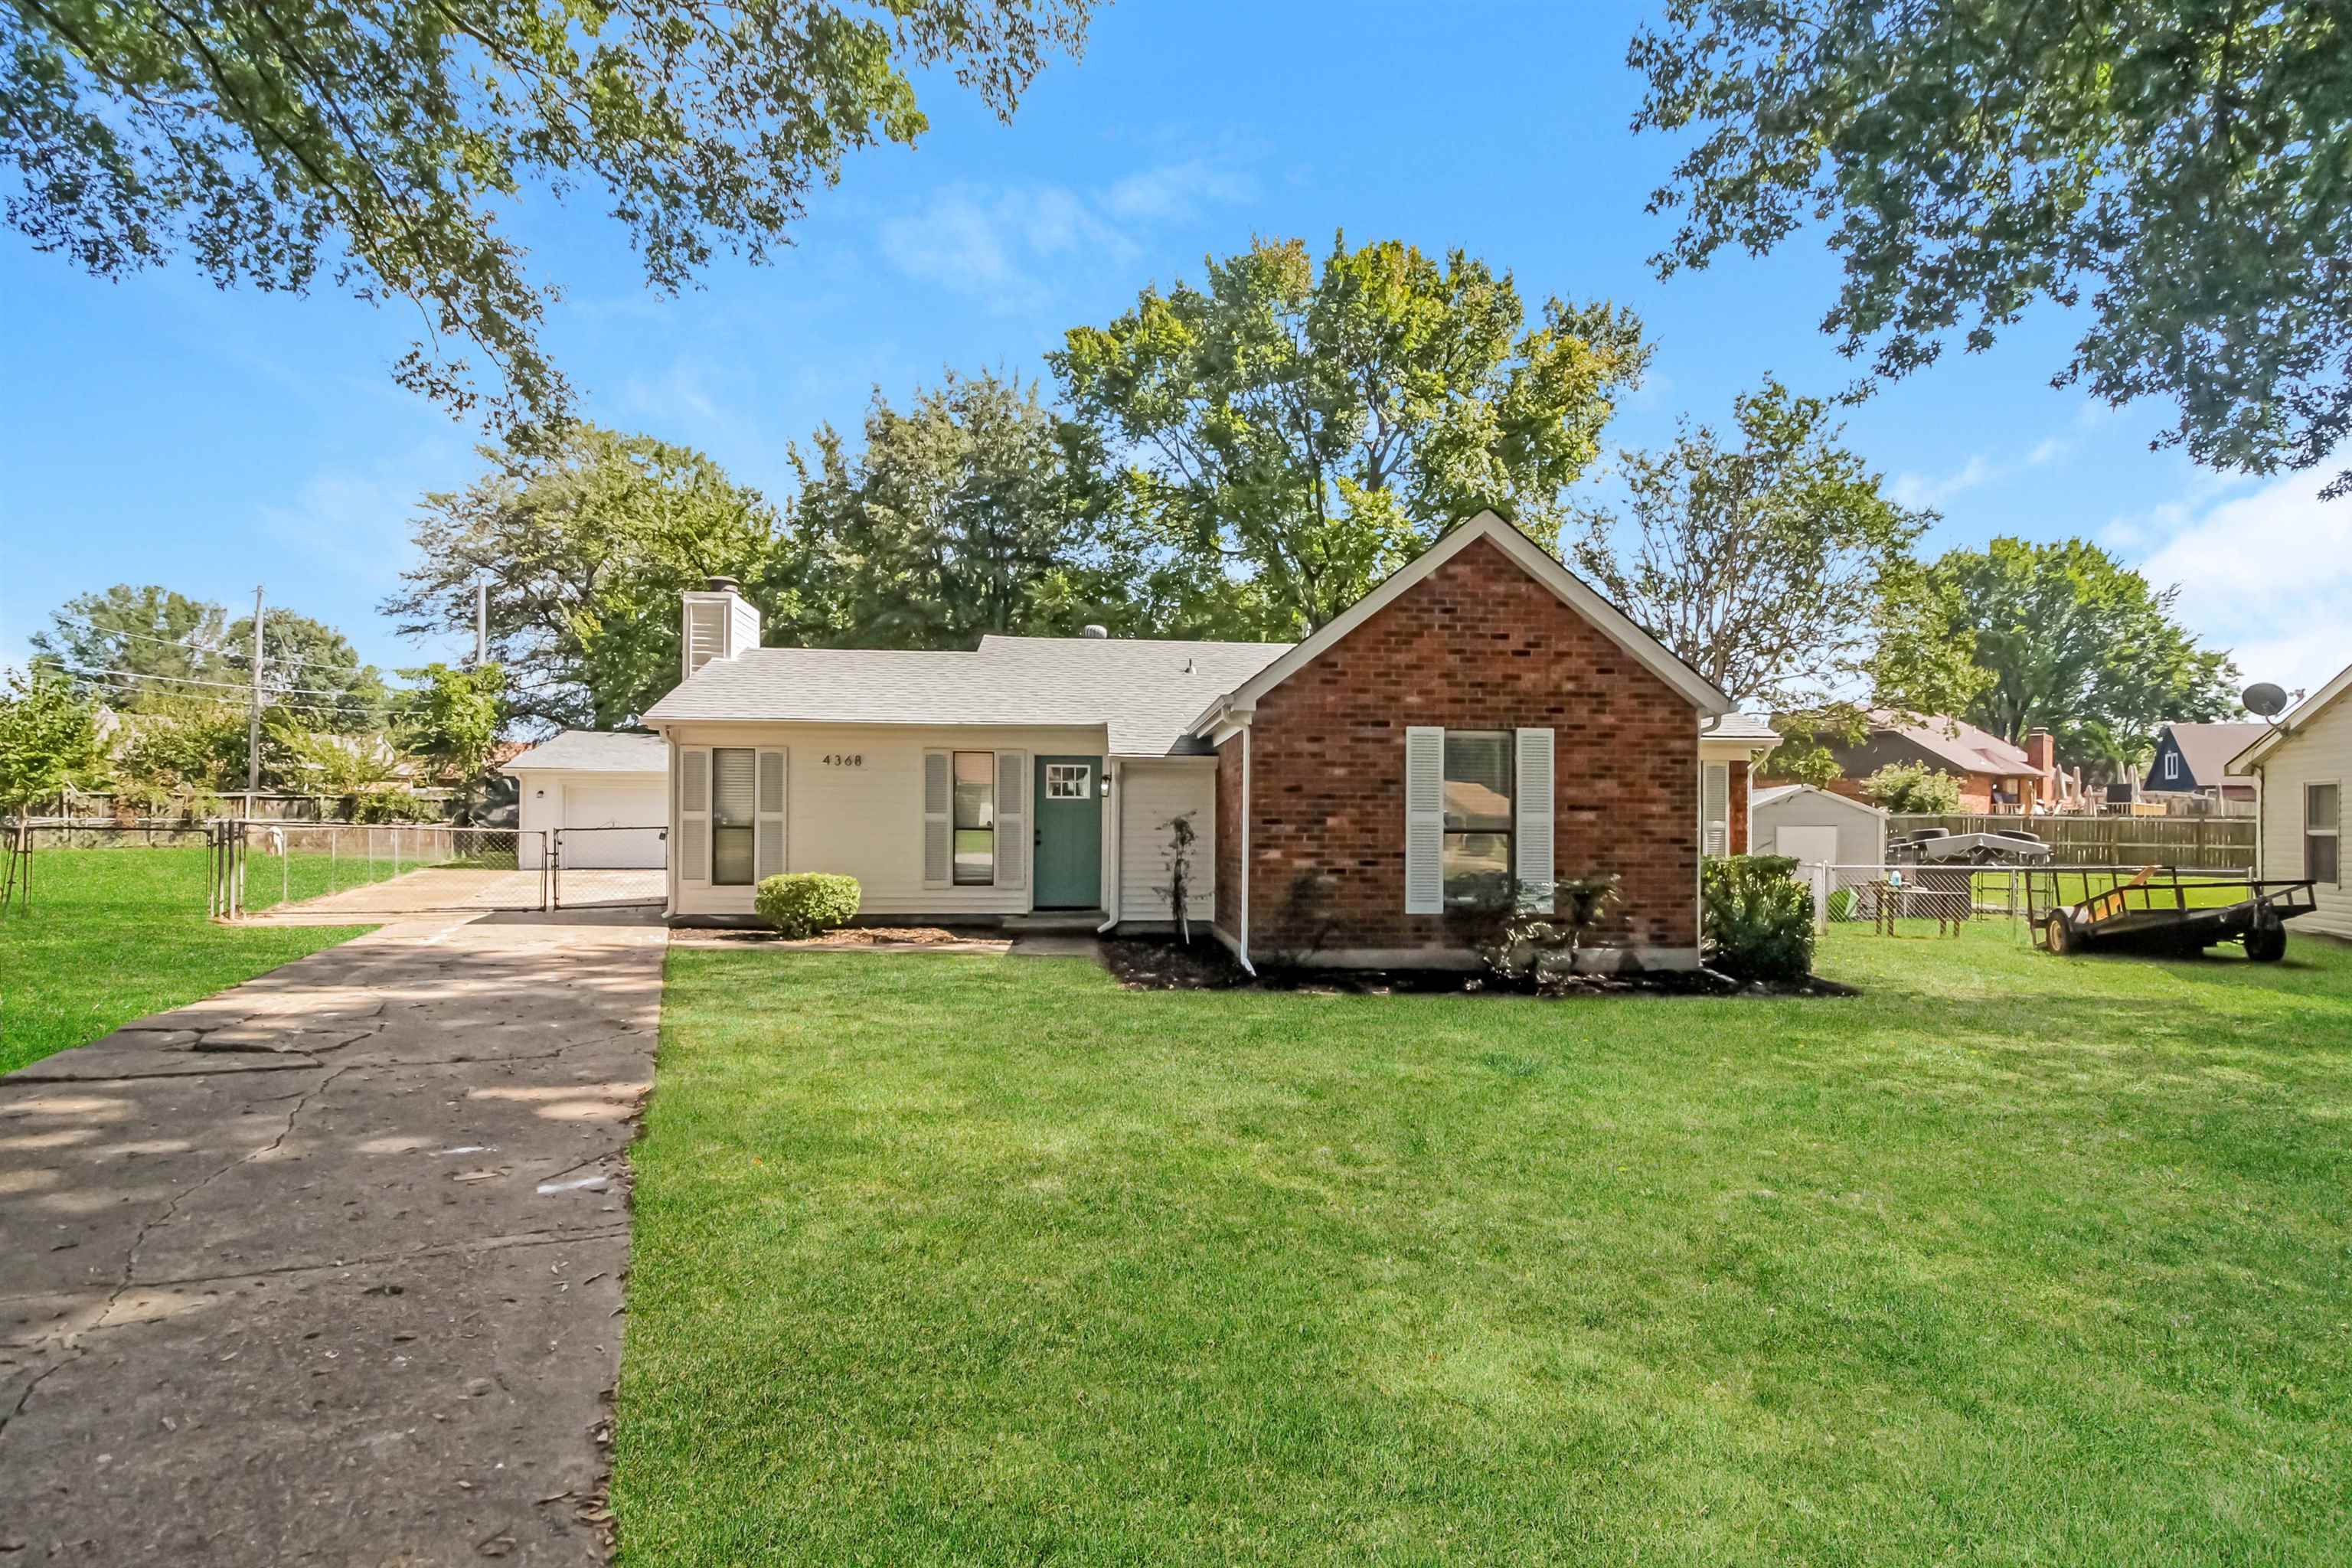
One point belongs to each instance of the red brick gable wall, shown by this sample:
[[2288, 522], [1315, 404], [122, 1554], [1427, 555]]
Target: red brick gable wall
[[1477, 644]]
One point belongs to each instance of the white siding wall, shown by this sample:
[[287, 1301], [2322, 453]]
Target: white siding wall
[[866, 821], [1151, 796], [2321, 753]]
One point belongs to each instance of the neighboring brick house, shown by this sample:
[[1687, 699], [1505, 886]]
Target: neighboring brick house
[[1483, 725], [1994, 775]]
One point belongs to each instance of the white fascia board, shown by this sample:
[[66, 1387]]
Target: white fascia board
[[1531, 558]]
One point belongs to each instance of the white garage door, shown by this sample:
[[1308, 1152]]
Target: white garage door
[[627, 817]]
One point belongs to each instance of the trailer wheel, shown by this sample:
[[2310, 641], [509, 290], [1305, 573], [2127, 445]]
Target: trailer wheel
[[2060, 932], [2266, 942]]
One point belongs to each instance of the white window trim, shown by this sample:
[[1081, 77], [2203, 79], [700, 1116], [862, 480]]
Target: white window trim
[[2332, 830]]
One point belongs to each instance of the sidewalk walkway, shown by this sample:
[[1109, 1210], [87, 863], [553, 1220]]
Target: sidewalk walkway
[[328, 1267]]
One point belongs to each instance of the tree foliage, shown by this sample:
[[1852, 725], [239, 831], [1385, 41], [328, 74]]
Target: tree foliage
[[1300, 431], [975, 510], [380, 143], [145, 648], [48, 738], [2178, 164], [453, 719], [587, 543], [1764, 565], [1913, 787], [2069, 638]]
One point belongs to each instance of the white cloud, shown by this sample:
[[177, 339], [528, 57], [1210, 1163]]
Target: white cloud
[[2266, 572], [999, 244], [680, 392], [1915, 490]]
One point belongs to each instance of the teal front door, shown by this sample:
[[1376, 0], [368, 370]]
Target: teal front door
[[1070, 832]]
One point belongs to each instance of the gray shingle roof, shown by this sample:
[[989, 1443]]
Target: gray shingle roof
[[1740, 727], [2209, 748], [1959, 745], [596, 751], [1145, 692]]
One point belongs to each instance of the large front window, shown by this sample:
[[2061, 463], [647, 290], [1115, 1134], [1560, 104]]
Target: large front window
[[1478, 818], [975, 818], [734, 789]]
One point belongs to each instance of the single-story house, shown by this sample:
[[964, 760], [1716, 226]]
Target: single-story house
[[1483, 720], [2194, 759], [1817, 826], [614, 782], [2302, 765], [1994, 774]]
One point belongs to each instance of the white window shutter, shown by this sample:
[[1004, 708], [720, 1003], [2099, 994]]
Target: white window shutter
[[1424, 820], [1012, 819], [694, 814], [768, 822], [1531, 795], [1715, 808], [938, 808]]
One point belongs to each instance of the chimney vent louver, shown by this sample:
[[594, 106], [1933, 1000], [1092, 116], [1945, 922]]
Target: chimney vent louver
[[1095, 633]]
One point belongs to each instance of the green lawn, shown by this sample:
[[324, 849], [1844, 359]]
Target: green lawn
[[2015, 1259], [115, 934]]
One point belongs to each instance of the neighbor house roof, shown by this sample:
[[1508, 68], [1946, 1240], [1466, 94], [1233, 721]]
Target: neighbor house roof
[[2296, 717], [1141, 691], [594, 752], [1958, 744], [1740, 727], [2209, 748]]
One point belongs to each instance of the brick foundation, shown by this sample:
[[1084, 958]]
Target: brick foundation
[[1477, 644]]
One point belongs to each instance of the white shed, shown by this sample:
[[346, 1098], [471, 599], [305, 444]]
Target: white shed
[[2304, 766], [1816, 826], [591, 779]]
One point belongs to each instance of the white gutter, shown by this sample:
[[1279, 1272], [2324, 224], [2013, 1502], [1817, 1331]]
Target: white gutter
[[1247, 967], [1118, 843]]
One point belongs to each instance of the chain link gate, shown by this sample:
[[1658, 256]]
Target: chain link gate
[[609, 867], [371, 870]]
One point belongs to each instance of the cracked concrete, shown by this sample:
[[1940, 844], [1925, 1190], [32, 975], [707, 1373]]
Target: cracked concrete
[[328, 1267]]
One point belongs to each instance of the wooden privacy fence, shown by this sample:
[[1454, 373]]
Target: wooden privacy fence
[[2195, 843]]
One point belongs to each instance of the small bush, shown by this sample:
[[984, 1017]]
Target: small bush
[[1760, 917], [384, 805], [808, 902], [1907, 788]]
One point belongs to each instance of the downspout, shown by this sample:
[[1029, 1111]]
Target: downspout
[[1117, 849], [1247, 967]]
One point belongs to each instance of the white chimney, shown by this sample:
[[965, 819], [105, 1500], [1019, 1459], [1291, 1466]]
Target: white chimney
[[719, 622]]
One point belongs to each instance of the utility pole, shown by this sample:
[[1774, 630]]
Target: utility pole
[[481, 624], [253, 719]]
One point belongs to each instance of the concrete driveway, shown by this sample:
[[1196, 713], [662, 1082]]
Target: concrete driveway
[[328, 1267]]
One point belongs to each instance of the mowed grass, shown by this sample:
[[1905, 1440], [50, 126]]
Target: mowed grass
[[2015, 1259], [115, 934]]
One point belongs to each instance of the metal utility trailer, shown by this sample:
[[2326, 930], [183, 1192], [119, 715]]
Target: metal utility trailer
[[2161, 912]]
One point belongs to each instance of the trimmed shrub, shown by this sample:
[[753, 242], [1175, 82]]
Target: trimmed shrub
[[1913, 788], [807, 902], [1760, 917], [391, 805]]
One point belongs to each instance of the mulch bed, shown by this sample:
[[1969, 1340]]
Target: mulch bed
[[1165, 964], [857, 936]]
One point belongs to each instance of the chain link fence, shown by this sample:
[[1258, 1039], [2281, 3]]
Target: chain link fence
[[609, 867], [338, 868]]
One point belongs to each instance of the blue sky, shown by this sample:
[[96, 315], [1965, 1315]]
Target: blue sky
[[158, 430]]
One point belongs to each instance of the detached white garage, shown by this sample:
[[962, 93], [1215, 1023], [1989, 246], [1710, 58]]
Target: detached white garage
[[1816, 826], [616, 784]]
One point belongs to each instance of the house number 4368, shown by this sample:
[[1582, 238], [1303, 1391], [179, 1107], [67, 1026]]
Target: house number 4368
[[846, 759]]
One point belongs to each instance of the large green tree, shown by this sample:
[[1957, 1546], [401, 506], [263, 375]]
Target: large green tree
[[586, 543], [1299, 430], [141, 648], [48, 738], [2175, 166], [2072, 640], [1763, 563], [380, 142], [976, 509]]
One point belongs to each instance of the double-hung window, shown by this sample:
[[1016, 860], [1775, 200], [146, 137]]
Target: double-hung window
[[734, 801], [975, 818], [2323, 832], [2171, 766], [1479, 817]]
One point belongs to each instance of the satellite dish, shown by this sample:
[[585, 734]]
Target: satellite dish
[[2263, 699]]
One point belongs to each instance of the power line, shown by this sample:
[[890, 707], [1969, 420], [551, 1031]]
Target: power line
[[141, 636], [228, 704], [194, 680]]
